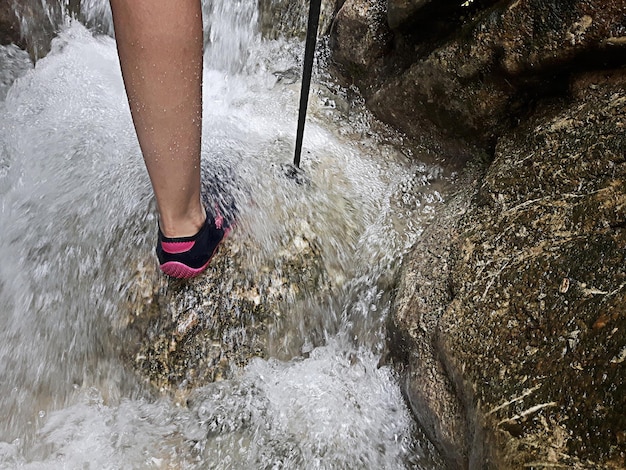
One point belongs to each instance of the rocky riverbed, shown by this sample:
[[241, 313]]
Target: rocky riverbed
[[518, 317]]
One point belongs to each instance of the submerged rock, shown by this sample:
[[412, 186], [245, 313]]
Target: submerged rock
[[191, 332], [523, 324]]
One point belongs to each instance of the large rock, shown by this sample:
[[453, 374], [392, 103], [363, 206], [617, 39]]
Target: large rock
[[424, 294], [536, 329], [445, 89], [400, 12], [478, 81], [361, 37], [533, 341], [9, 24], [288, 18], [185, 334]]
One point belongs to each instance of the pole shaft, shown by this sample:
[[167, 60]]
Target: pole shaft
[[309, 53]]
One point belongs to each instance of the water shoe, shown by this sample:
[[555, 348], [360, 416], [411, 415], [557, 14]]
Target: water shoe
[[187, 257]]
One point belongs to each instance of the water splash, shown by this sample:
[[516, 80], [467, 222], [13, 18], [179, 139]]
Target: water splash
[[14, 62], [74, 196], [231, 28], [96, 14]]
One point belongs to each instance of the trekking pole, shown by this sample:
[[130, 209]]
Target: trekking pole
[[309, 53]]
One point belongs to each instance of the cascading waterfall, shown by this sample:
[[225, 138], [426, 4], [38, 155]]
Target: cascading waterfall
[[232, 29], [74, 195]]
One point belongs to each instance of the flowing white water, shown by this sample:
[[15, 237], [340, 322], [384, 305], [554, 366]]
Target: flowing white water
[[75, 206]]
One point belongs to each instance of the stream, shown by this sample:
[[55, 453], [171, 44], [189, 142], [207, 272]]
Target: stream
[[76, 213]]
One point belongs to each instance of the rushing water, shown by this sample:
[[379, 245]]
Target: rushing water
[[75, 205]]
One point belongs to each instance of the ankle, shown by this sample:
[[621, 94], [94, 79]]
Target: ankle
[[183, 225]]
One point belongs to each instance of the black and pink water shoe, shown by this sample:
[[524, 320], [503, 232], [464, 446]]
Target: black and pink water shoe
[[187, 257]]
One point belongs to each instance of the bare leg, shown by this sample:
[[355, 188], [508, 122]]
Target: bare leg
[[160, 48]]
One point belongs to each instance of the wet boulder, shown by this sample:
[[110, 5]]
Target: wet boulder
[[9, 24], [523, 317], [536, 329], [400, 12], [479, 76], [537, 36], [423, 294], [187, 333], [38, 24], [288, 18], [506, 325], [360, 36]]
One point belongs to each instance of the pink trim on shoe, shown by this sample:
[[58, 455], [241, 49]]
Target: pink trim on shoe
[[219, 219], [182, 271], [175, 248]]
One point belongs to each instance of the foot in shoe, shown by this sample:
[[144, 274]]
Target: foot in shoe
[[187, 257]]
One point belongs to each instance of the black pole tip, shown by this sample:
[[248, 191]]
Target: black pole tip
[[295, 174]]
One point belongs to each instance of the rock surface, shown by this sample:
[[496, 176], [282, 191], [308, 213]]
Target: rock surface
[[400, 12], [508, 324], [423, 295], [361, 36], [35, 25], [521, 309], [539, 284], [478, 79], [190, 333], [9, 25], [288, 18]]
